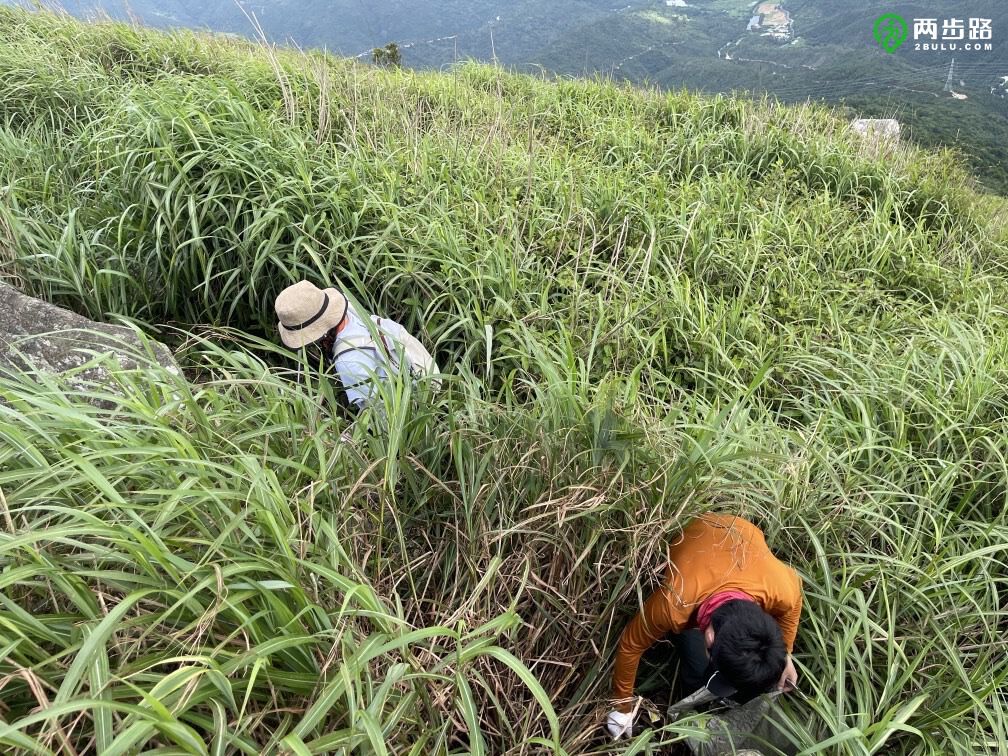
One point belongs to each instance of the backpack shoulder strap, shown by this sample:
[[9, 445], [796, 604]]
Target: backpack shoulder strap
[[384, 338], [348, 345], [364, 341]]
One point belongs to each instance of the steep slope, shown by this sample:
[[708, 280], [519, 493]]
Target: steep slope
[[648, 306]]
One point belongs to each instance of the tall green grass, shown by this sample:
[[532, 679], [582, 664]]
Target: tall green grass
[[649, 306]]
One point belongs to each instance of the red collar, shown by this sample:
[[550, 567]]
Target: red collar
[[713, 602]]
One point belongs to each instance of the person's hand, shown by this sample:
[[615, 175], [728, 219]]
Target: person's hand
[[620, 724], [789, 677]]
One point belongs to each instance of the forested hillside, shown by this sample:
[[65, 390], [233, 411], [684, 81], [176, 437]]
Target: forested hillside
[[646, 305], [431, 33]]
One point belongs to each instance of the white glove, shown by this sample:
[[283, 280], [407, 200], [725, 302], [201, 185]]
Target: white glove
[[619, 724]]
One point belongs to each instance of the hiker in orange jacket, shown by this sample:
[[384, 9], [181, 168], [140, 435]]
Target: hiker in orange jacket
[[732, 608]]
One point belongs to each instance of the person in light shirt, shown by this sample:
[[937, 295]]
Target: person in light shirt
[[732, 610], [362, 353]]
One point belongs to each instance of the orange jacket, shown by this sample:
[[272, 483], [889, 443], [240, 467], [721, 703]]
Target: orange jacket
[[715, 553]]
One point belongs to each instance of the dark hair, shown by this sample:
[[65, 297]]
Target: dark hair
[[320, 350], [748, 647]]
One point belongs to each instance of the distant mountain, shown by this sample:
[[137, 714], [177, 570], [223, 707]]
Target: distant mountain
[[430, 33], [817, 49]]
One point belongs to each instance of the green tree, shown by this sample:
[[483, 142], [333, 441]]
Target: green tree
[[388, 56]]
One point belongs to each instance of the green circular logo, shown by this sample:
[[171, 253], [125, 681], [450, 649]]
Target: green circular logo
[[890, 31]]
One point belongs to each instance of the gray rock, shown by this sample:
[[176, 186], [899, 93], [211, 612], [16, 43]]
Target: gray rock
[[37, 337], [877, 129]]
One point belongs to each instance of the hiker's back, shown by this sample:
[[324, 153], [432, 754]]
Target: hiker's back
[[369, 350]]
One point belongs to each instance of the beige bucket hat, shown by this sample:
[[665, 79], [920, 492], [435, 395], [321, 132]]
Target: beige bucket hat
[[306, 312]]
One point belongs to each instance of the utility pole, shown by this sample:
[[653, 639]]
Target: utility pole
[[948, 81]]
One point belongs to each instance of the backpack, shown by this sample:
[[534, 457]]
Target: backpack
[[418, 359], [735, 728]]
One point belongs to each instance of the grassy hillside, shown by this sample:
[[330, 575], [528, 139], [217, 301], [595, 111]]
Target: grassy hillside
[[833, 57], [648, 306]]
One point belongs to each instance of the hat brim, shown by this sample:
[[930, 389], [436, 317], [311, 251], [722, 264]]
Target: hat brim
[[332, 316]]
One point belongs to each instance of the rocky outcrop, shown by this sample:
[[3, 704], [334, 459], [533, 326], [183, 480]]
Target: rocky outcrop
[[877, 129], [37, 337]]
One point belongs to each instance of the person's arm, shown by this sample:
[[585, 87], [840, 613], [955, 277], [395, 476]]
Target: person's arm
[[653, 621], [787, 610], [787, 616], [789, 677]]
